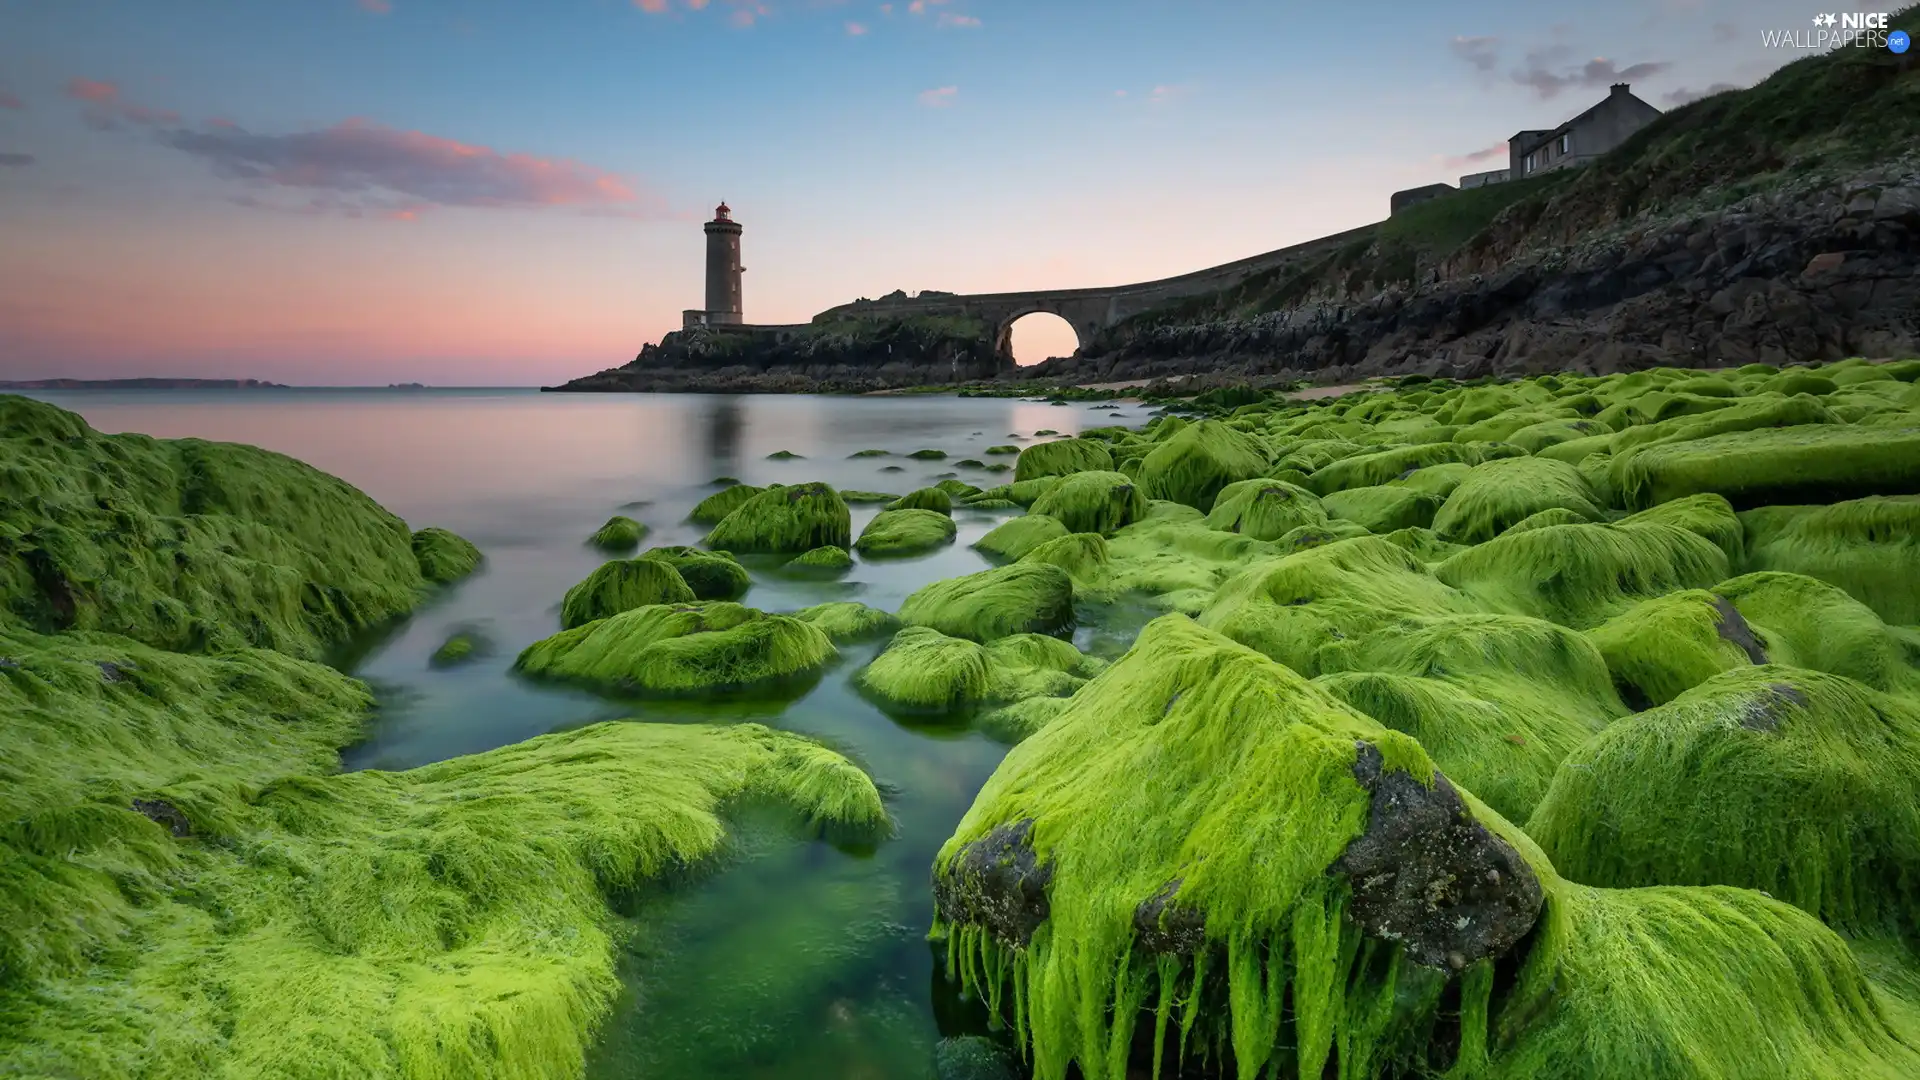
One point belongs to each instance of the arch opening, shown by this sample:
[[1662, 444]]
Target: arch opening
[[1040, 335]]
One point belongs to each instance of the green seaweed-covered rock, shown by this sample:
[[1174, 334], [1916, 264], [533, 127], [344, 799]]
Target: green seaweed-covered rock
[[786, 520], [712, 575], [620, 533], [620, 586], [856, 498], [822, 560], [1018, 599], [1582, 575], [1382, 509], [1798, 783], [847, 620], [1244, 866], [928, 455], [195, 545], [1194, 464], [928, 498], [1014, 538], [444, 557], [905, 532], [1813, 463], [1093, 502], [1062, 457], [460, 647], [925, 670], [1500, 493], [714, 509], [1264, 509], [1869, 547], [681, 648]]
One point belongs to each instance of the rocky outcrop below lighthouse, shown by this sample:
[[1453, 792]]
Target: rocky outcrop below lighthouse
[[851, 356]]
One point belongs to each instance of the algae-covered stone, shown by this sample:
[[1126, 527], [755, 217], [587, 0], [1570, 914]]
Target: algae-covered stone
[[682, 648], [1264, 509], [620, 533], [784, 455], [785, 520], [1193, 465], [1663, 647], [1302, 537], [1582, 575], [928, 455], [460, 647], [865, 497], [1383, 509], [924, 670], [1798, 783], [1869, 547], [196, 545], [714, 508], [1018, 599], [1814, 463], [1014, 538], [712, 575], [1279, 833], [905, 532], [1062, 457], [1500, 493], [622, 585], [444, 557], [822, 560], [928, 498], [958, 489], [847, 620], [1093, 502]]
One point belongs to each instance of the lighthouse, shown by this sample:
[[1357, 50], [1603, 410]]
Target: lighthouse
[[723, 268]]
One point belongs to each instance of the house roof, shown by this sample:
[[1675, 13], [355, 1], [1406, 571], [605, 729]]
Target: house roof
[[1535, 137]]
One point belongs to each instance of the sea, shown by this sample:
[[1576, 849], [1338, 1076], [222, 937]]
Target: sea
[[792, 959]]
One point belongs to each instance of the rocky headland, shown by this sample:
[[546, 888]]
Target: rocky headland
[[1775, 224]]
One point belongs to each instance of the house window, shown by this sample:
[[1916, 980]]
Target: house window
[[1565, 142], [1529, 164]]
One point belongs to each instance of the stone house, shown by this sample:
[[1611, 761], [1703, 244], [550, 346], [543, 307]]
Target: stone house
[[1582, 138]]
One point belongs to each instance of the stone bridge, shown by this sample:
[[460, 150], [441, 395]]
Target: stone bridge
[[1088, 311]]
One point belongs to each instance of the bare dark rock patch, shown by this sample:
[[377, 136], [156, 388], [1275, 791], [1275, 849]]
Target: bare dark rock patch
[[997, 882]]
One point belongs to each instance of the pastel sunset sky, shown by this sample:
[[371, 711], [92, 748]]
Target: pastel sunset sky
[[486, 192]]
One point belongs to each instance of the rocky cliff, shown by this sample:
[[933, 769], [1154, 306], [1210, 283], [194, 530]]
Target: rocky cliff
[[1779, 223], [836, 357]]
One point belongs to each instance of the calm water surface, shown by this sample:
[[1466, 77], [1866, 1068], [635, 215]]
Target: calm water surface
[[795, 960]]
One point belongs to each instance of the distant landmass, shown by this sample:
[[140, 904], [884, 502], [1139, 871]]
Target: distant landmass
[[140, 384]]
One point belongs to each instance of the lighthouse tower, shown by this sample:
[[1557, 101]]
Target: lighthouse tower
[[723, 269]]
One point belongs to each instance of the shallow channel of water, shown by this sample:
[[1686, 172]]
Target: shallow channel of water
[[796, 959]]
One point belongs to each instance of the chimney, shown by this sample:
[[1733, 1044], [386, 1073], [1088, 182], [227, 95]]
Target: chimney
[[1618, 88]]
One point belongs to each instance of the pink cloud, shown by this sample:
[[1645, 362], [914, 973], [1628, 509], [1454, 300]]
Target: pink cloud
[[377, 7], [10, 100], [1487, 153], [744, 14], [939, 97], [855, 29], [106, 107], [360, 166]]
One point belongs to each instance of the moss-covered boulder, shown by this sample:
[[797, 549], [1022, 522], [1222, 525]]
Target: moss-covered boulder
[[928, 498], [847, 620], [1582, 575], [620, 586], [620, 533], [1194, 464], [1280, 833], [712, 575], [785, 520], [444, 557], [1798, 783], [1814, 463], [1018, 599], [1013, 538], [1264, 509], [1663, 647], [905, 532], [858, 498], [714, 509], [1063, 457], [928, 455], [196, 545], [1869, 547], [821, 560], [682, 648], [460, 647], [924, 670], [1093, 502], [1382, 509], [1500, 493]]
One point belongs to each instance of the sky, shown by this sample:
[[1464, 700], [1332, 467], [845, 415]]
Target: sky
[[502, 192]]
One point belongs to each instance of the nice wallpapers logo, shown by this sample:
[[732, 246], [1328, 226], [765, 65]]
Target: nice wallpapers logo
[[1844, 30]]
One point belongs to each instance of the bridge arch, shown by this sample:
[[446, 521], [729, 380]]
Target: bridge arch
[[1075, 314]]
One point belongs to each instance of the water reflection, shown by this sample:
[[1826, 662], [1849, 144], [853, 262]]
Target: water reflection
[[724, 422]]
